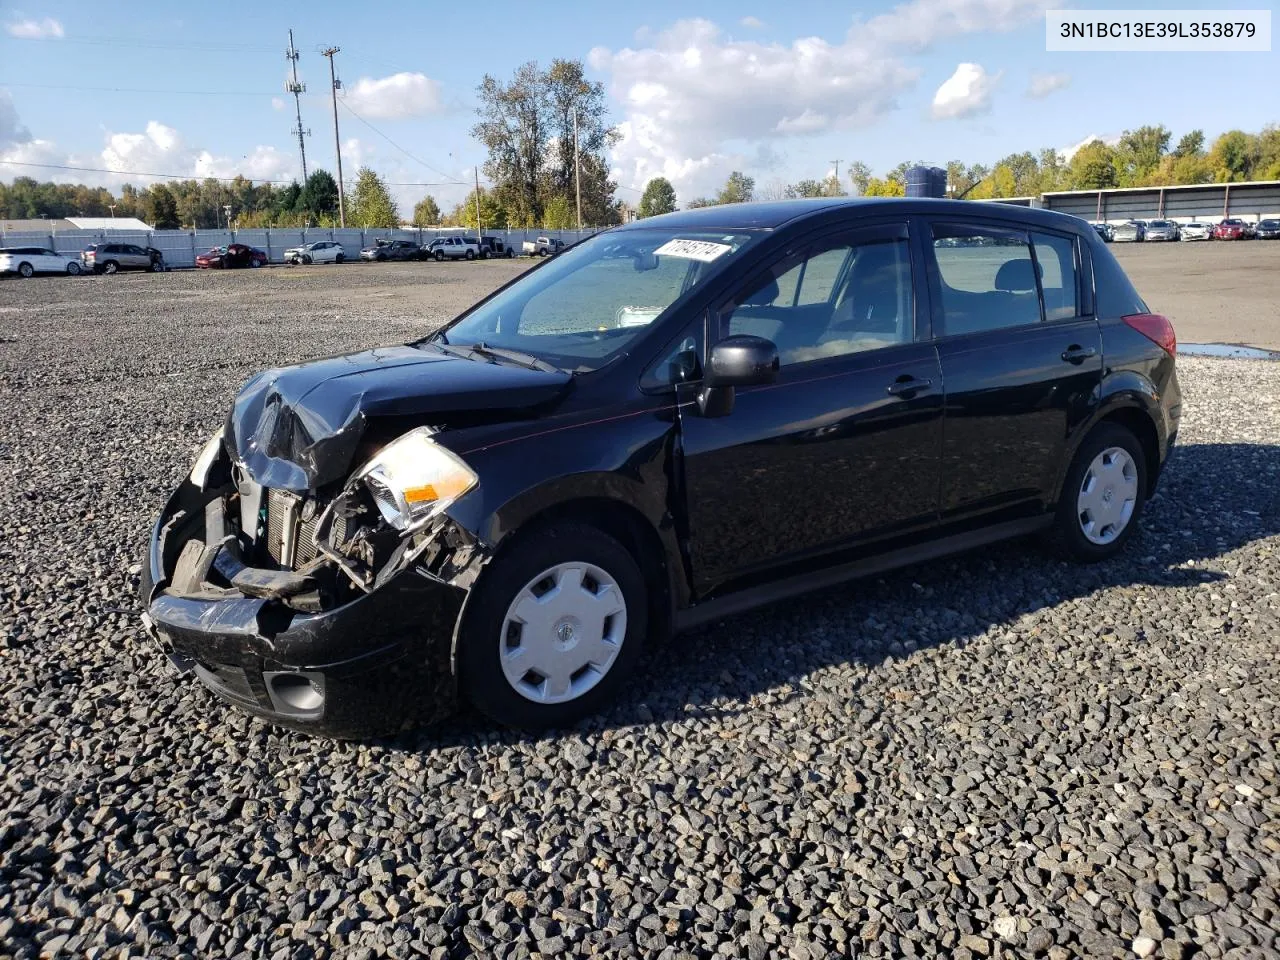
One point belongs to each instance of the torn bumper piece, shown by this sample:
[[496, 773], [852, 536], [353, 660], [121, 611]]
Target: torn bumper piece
[[372, 666]]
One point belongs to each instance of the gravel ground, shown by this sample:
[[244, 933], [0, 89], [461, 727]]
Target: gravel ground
[[997, 755]]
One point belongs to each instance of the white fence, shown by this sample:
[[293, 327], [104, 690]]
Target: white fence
[[181, 246]]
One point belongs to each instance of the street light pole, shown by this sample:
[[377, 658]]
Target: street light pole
[[337, 142]]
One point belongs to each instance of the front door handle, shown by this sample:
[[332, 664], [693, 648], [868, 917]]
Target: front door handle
[[907, 385], [1078, 354]]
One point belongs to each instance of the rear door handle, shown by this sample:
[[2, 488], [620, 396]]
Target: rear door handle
[[1078, 354], [908, 385]]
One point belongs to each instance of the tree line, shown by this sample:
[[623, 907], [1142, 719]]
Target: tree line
[[1140, 158]]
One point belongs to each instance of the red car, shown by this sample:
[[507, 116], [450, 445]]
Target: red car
[[232, 255], [1233, 229]]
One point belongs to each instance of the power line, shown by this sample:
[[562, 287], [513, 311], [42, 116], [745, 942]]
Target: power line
[[396, 145], [193, 176]]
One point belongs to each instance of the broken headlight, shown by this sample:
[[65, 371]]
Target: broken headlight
[[204, 460], [413, 478]]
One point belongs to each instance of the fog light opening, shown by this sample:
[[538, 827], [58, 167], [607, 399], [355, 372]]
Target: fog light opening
[[296, 692]]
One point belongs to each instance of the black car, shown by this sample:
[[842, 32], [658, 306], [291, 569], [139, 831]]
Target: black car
[[392, 250], [673, 421], [1268, 230]]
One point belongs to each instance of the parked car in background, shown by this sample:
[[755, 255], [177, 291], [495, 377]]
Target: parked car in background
[[1251, 229], [1162, 230], [1131, 231], [453, 248], [543, 247], [1233, 228], [384, 250], [514, 506], [321, 251], [495, 247], [110, 257], [1104, 230], [232, 256], [28, 261], [1196, 231], [1268, 230]]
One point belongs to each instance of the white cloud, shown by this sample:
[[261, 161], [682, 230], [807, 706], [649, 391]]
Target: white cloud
[[752, 23], [277, 103], [1043, 84], [695, 103], [395, 97], [1110, 139], [46, 29], [966, 93]]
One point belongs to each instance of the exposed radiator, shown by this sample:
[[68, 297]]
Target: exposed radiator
[[291, 528]]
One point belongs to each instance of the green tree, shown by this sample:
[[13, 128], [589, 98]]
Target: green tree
[[888, 187], [1053, 171], [492, 214], [319, 195], [807, 188], [739, 188], [698, 202], [161, 207], [1191, 144], [569, 94], [426, 213], [659, 197], [1232, 156], [558, 214], [1001, 182], [859, 177], [371, 204], [1092, 167], [1138, 154]]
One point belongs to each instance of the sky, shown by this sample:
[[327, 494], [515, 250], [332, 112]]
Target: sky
[[697, 89]]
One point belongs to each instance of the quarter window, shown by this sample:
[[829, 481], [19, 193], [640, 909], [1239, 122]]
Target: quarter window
[[1056, 257], [987, 279], [840, 296]]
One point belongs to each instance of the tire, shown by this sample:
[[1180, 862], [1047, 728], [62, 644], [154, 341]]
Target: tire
[[1077, 533], [110, 267], [487, 631], [26, 271], [439, 256], [339, 258], [510, 253], [73, 269], [306, 258], [542, 253], [254, 263], [157, 266], [471, 255]]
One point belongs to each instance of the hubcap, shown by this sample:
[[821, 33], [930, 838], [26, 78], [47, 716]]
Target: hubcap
[[562, 633], [1107, 495]]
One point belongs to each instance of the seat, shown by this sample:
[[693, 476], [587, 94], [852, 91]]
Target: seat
[[871, 301]]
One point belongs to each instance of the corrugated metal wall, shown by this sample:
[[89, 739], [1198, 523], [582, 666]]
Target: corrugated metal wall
[[181, 246], [1250, 201]]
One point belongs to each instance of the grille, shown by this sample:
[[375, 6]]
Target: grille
[[289, 535]]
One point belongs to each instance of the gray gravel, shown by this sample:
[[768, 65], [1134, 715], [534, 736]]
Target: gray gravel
[[997, 755]]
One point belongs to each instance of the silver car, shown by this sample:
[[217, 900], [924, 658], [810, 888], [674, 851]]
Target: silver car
[[1196, 231], [1130, 232], [322, 251], [1161, 230]]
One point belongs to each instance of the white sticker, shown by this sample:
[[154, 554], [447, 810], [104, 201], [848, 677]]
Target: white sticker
[[703, 250]]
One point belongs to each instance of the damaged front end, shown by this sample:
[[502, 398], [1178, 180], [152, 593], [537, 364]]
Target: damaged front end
[[332, 609]]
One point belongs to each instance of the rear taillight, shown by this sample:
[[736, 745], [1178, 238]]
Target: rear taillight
[[1155, 328]]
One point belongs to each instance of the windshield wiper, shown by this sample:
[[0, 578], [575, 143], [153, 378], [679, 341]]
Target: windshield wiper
[[481, 349]]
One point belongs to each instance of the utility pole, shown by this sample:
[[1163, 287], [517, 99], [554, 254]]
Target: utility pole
[[479, 226], [297, 89], [577, 171], [337, 142], [836, 175]]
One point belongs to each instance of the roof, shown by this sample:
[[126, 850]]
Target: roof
[[34, 225], [1156, 187], [772, 214], [131, 224]]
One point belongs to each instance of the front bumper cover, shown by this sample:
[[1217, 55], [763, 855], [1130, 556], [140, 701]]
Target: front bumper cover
[[375, 665]]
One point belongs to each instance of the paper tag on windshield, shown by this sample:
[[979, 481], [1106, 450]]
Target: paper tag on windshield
[[703, 250]]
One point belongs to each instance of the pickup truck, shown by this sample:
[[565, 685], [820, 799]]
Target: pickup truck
[[543, 247], [453, 248]]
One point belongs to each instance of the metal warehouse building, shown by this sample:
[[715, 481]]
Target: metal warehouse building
[[1250, 201]]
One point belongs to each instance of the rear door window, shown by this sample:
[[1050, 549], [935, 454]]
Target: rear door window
[[987, 278]]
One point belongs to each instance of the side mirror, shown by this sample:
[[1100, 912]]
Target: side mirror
[[742, 361], [738, 361]]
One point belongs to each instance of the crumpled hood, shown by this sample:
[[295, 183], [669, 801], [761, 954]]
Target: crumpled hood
[[297, 428]]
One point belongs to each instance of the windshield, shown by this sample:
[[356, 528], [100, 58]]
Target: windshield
[[585, 306]]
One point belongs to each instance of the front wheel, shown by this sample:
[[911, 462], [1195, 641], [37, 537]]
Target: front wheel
[[73, 269], [110, 267], [339, 258], [254, 264], [1102, 496], [306, 258], [553, 629], [439, 256], [510, 253], [470, 255], [157, 266]]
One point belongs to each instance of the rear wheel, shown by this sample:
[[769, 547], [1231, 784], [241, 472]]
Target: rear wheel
[[110, 267], [157, 265], [510, 253], [554, 628], [339, 258], [471, 255], [73, 268], [25, 270], [439, 256], [1102, 496], [254, 263]]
